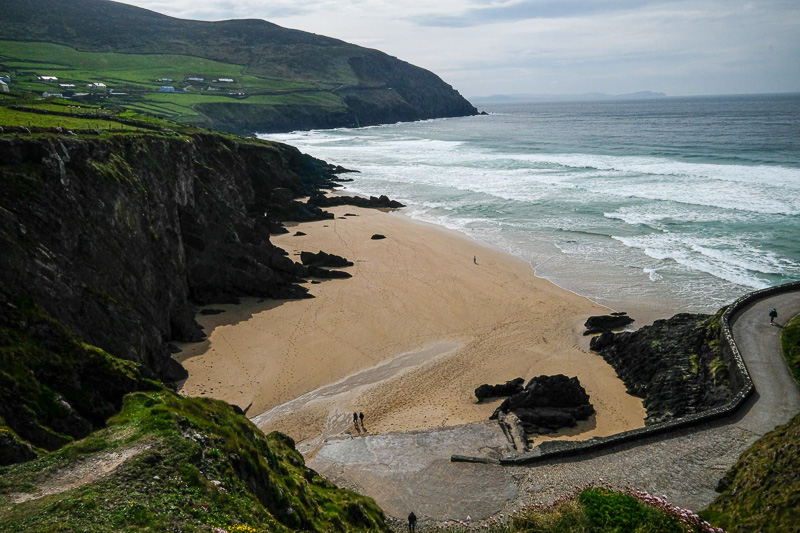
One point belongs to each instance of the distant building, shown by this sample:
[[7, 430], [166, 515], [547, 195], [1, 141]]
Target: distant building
[[5, 79], [166, 89], [164, 80], [3, 87], [213, 89], [67, 85], [54, 95], [196, 79], [225, 80], [96, 85], [47, 78]]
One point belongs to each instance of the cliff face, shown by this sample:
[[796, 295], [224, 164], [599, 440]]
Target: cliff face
[[114, 238]]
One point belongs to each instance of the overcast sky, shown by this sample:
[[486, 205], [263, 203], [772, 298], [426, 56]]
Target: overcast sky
[[486, 47]]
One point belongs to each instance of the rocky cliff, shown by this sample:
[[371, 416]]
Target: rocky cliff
[[674, 365], [115, 237], [107, 243]]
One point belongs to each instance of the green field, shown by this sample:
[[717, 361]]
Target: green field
[[136, 76]]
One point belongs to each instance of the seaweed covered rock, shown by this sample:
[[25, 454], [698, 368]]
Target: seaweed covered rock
[[674, 365], [549, 403]]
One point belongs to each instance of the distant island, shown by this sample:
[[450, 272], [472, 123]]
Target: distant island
[[585, 97], [239, 76]]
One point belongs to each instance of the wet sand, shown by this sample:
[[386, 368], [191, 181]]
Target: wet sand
[[406, 340]]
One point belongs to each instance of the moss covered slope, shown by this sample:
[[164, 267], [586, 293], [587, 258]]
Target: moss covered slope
[[762, 490], [167, 463]]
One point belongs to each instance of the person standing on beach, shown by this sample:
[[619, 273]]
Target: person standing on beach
[[412, 521], [355, 420], [772, 316], [361, 416], [475, 259]]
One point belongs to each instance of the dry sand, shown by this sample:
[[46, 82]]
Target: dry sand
[[406, 340]]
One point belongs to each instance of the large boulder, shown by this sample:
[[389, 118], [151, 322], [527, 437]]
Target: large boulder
[[601, 323], [496, 391], [323, 259], [548, 403]]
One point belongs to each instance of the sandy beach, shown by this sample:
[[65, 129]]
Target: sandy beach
[[428, 316]]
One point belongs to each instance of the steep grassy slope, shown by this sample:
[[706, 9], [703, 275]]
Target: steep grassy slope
[[762, 490], [282, 79], [167, 463]]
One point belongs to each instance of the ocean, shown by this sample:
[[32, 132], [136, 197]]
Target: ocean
[[672, 205]]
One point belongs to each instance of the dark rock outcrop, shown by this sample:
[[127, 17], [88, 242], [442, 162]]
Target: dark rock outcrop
[[378, 237], [324, 273], [601, 323], [548, 403], [675, 365], [323, 259], [317, 263], [382, 201], [117, 237], [496, 391]]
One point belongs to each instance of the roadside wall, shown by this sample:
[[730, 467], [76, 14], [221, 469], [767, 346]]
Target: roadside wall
[[741, 384]]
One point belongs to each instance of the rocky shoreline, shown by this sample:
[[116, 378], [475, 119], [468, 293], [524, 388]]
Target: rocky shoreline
[[675, 365], [114, 241]]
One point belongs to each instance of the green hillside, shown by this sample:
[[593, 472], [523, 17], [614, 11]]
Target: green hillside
[[238, 75]]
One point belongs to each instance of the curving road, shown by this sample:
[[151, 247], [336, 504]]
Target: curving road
[[412, 471]]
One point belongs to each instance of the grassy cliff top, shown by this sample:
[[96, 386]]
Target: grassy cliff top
[[234, 75], [762, 490]]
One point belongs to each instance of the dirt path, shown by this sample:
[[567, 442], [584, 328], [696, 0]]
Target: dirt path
[[406, 472], [85, 471]]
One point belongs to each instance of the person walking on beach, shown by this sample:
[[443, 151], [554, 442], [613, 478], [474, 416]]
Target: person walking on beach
[[355, 420], [475, 259], [772, 316], [361, 416], [412, 521]]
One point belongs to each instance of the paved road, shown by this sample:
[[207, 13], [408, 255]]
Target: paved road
[[412, 471]]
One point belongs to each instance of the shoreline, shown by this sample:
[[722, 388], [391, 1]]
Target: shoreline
[[645, 312], [416, 301]]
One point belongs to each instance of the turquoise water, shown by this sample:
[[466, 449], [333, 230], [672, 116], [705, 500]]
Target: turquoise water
[[682, 202]]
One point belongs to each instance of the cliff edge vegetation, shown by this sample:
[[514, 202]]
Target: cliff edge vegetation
[[762, 490], [111, 231], [240, 76], [167, 463]]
